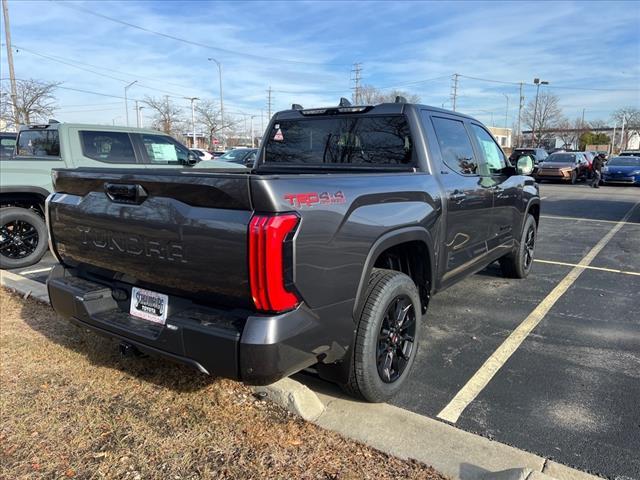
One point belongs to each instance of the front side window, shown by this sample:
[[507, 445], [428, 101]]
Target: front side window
[[493, 155], [455, 146], [164, 150], [38, 143], [110, 147], [380, 140]]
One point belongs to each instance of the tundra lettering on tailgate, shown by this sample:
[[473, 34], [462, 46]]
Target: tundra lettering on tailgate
[[132, 244]]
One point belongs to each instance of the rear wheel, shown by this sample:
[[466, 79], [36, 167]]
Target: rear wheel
[[386, 337], [517, 264], [23, 237]]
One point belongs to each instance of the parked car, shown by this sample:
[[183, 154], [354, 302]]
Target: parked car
[[622, 169], [25, 178], [201, 153], [7, 144], [630, 153], [326, 253], [538, 154], [240, 156], [568, 167]]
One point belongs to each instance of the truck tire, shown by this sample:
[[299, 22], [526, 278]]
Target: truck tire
[[517, 264], [23, 237], [386, 337]]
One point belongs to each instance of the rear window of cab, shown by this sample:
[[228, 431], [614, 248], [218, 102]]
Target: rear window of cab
[[376, 140]]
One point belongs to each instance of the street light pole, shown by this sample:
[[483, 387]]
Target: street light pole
[[138, 117], [535, 109], [221, 100], [126, 104], [193, 120]]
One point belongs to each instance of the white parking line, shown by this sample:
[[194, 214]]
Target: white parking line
[[483, 376], [38, 270], [603, 269], [578, 219]]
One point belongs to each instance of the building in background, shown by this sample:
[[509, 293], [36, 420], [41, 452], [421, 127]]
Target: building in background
[[569, 138], [502, 136]]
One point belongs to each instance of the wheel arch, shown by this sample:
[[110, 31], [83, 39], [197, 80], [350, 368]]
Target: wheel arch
[[407, 245], [23, 196]]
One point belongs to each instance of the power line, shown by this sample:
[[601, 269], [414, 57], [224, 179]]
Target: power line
[[191, 42], [102, 74], [550, 86]]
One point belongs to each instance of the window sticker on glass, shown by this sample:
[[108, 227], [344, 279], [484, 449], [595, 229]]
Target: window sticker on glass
[[278, 137], [164, 152]]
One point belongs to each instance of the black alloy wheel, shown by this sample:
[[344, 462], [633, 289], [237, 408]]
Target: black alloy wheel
[[18, 239], [395, 340]]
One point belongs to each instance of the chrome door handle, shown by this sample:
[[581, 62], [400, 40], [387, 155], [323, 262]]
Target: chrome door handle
[[456, 197]]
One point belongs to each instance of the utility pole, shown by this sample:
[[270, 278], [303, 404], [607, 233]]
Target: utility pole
[[193, 120], [167, 120], [12, 73], [357, 78], [454, 91], [269, 104], [219, 65], [126, 104], [520, 106], [622, 145], [582, 130], [535, 109], [506, 112]]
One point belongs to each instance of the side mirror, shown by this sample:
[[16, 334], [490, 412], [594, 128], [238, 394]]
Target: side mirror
[[191, 160], [524, 165]]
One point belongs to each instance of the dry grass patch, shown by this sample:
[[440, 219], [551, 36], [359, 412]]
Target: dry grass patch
[[71, 407]]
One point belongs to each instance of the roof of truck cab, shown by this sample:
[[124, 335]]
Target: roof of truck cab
[[380, 109], [89, 126]]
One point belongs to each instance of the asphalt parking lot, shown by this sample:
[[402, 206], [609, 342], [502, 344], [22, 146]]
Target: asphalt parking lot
[[570, 391]]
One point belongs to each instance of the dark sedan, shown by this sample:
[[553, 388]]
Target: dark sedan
[[624, 170]]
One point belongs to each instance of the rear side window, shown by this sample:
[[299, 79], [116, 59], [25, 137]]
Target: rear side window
[[455, 146], [38, 143], [110, 147], [163, 150], [7, 145], [341, 140]]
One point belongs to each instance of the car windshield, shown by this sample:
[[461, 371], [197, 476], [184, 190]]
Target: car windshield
[[233, 155], [624, 162], [345, 140], [560, 158]]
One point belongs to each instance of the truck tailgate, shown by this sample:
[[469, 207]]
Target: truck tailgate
[[179, 232]]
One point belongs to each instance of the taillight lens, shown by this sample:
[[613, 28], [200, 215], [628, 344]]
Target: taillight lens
[[269, 236]]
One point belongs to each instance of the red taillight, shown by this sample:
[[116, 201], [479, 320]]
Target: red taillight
[[267, 235]]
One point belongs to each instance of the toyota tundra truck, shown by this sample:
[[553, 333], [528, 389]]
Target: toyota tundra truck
[[322, 254]]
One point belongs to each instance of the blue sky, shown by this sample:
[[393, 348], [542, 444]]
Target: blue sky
[[305, 52]]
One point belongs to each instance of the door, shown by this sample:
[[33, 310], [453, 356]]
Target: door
[[468, 197], [504, 223]]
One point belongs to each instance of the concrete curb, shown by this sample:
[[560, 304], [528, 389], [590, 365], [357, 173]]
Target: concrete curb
[[295, 397], [24, 286], [453, 452]]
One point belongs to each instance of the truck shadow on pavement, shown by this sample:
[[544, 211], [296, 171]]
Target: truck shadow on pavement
[[102, 351]]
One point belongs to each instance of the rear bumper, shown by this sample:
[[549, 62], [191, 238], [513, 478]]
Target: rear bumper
[[230, 343]]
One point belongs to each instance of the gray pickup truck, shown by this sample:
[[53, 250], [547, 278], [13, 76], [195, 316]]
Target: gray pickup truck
[[324, 254]]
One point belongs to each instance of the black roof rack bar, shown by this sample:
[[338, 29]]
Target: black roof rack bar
[[401, 99], [297, 106], [344, 102]]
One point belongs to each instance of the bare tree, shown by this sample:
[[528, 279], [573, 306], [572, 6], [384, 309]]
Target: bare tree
[[630, 116], [208, 116], [370, 95], [547, 116], [35, 102], [167, 116], [597, 123], [568, 132]]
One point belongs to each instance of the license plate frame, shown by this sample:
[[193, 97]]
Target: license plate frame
[[149, 305]]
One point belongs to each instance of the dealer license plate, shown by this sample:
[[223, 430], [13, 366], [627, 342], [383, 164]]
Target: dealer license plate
[[149, 305]]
